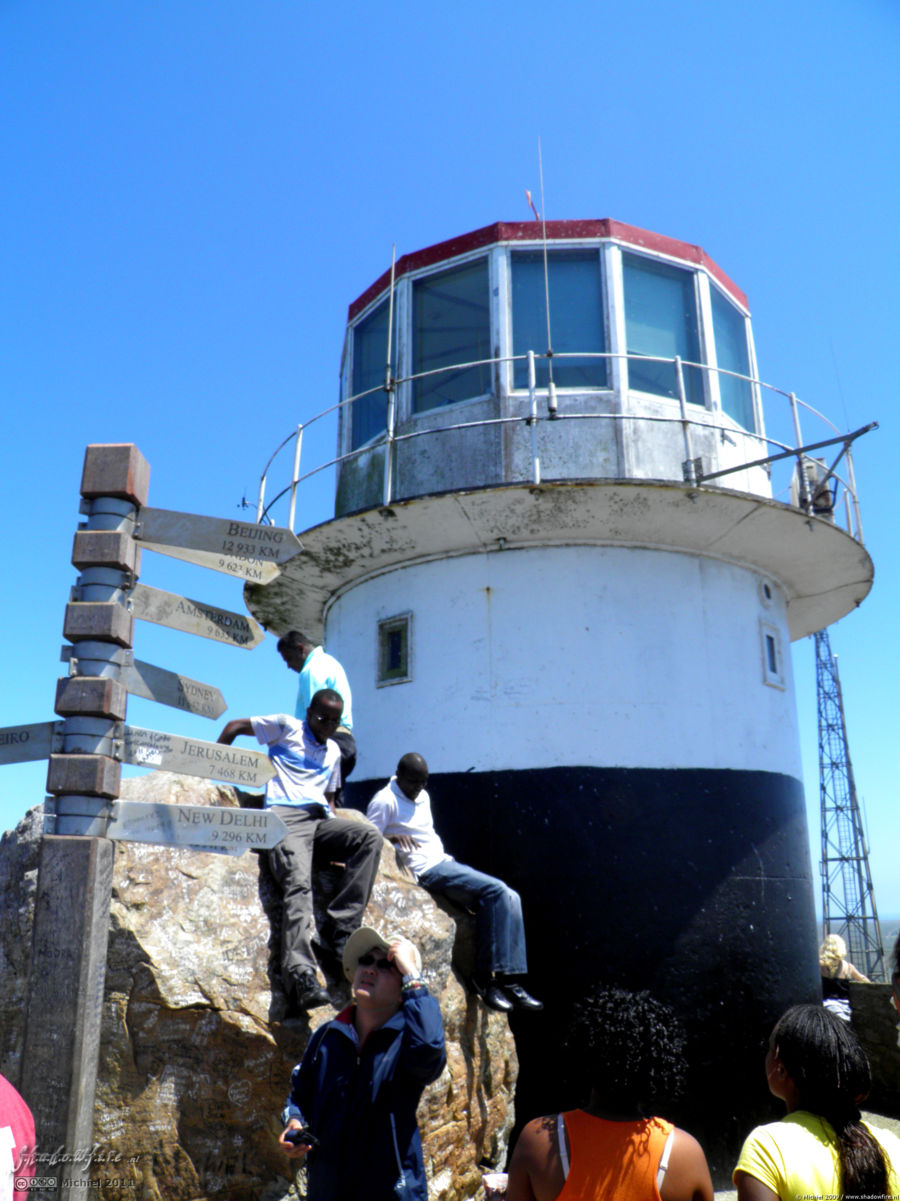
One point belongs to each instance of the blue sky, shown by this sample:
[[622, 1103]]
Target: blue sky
[[194, 192]]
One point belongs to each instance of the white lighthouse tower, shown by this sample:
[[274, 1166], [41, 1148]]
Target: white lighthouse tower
[[532, 579]]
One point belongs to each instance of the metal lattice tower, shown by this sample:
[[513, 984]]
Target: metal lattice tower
[[848, 899]]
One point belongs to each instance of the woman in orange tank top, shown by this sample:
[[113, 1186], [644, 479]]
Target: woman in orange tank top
[[611, 1148]]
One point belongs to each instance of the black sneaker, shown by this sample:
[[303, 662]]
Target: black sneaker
[[307, 993]]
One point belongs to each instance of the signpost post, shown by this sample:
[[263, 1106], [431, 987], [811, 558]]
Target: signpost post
[[85, 752]]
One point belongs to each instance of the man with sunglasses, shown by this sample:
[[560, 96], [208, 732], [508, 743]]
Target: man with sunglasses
[[351, 1111], [307, 776]]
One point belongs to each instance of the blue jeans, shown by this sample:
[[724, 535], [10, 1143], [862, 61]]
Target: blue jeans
[[499, 929]]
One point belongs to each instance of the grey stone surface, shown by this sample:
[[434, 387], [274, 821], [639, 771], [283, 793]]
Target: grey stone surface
[[194, 1057]]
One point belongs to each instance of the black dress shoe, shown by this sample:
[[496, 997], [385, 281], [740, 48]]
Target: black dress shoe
[[521, 999], [494, 996]]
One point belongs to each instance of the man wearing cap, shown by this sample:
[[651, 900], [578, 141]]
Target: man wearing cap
[[402, 812], [355, 1093], [320, 670], [307, 775]]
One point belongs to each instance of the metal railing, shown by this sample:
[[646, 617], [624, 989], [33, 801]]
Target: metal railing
[[815, 490]]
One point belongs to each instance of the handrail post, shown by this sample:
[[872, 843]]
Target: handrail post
[[688, 467], [295, 475], [851, 480], [390, 415], [389, 444], [532, 420], [802, 486], [261, 498]]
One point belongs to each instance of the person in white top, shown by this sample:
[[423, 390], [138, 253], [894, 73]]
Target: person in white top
[[307, 776], [402, 812]]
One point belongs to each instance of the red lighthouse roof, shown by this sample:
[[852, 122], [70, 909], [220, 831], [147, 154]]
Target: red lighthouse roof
[[556, 231]]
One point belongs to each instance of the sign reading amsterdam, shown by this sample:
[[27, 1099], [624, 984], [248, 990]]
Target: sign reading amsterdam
[[195, 617], [212, 760], [234, 547], [22, 744], [170, 688], [214, 827]]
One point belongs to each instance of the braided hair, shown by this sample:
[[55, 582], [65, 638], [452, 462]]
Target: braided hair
[[824, 1060]]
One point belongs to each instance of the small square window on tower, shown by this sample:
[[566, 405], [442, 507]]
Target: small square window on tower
[[772, 656], [394, 659]]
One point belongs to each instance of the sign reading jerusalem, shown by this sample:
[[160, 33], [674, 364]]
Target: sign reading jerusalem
[[212, 760], [253, 552]]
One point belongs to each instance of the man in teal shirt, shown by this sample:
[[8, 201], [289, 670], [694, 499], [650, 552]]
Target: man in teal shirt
[[320, 670]]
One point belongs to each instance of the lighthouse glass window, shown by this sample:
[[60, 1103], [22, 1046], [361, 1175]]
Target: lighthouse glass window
[[370, 344], [732, 354], [451, 327], [575, 292], [661, 322]]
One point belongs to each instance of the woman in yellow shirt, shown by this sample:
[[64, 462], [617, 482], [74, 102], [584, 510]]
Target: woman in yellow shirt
[[817, 1067]]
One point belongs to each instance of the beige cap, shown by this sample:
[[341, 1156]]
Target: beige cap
[[366, 939]]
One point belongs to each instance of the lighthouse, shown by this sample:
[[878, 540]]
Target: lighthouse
[[564, 568]]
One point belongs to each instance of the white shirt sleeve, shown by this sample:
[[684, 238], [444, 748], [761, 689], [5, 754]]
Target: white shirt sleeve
[[270, 729], [381, 812]]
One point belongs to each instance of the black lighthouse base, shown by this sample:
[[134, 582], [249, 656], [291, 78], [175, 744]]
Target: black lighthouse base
[[694, 884]]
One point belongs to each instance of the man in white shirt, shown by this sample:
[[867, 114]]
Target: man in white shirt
[[402, 812], [307, 775]]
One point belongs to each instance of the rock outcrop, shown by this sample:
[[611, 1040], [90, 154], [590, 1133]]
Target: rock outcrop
[[195, 1060]]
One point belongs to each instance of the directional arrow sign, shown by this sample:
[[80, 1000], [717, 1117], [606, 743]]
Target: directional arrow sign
[[234, 547], [204, 826], [212, 760], [195, 617], [21, 744], [170, 688]]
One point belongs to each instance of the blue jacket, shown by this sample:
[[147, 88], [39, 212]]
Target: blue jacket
[[360, 1102]]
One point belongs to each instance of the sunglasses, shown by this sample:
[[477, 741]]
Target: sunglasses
[[383, 965]]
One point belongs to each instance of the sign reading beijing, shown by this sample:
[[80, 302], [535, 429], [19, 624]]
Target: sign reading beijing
[[251, 551]]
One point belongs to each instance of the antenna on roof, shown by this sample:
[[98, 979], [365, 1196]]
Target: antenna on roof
[[551, 387]]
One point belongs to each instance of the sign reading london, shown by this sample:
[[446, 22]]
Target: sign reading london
[[212, 826], [195, 617], [212, 760], [251, 551]]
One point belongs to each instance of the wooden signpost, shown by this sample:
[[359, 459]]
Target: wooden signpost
[[170, 688], [234, 547], [197, 826], [24, 744], [211, 760], [195, 617], [85, 752]]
